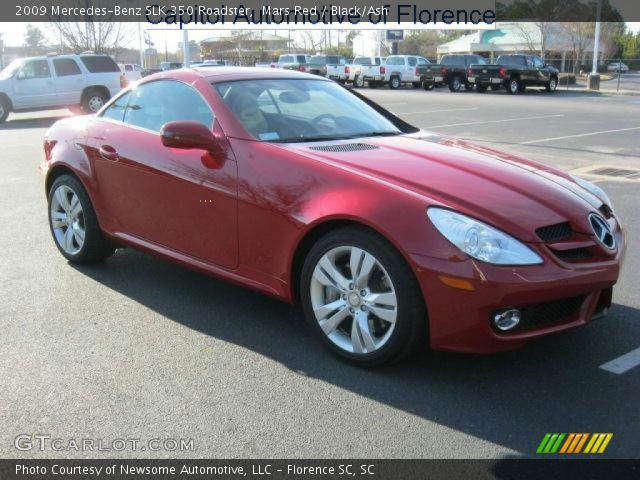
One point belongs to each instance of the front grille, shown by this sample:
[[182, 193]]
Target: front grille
[[573, 254], [554, 233], [547, 313], [344, 147]]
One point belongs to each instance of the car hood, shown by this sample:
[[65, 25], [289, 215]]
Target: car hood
[[514, 194]]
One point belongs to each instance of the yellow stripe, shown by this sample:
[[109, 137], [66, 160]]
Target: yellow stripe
[[574, 443], [605, 443], [567, 442], [596, 445], [590, 444], [584, 439]]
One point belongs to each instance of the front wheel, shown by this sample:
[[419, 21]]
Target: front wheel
[[5, 109], [361, 298], [74, 224], [552, 85], [93, 101]]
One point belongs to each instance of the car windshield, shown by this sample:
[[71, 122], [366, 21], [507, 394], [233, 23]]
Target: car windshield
[[10, 70], [292, 110]]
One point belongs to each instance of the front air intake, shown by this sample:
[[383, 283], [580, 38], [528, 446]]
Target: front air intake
[[344, 147]]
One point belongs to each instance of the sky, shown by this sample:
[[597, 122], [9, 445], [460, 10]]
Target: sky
[[13, 34]]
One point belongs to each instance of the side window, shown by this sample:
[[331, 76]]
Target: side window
[[137, 68], [99, 64], [413, 61], [65, 67], [529, 62], [34, 69], [153, 104], [537, 62], [422, 61], [115, 111], [128, 68]]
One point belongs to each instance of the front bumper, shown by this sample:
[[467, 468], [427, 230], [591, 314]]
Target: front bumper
[[460, 320]]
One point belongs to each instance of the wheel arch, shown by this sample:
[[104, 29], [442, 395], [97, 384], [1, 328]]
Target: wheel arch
[[5, 97], [101, 88]]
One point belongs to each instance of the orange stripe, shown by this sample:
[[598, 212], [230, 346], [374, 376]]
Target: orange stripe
[[584, 439], [605, 443], [575, 442], [567, 442]]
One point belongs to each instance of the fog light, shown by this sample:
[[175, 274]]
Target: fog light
[[507, 320]]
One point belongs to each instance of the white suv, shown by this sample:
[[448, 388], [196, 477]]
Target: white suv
[[58, 81]]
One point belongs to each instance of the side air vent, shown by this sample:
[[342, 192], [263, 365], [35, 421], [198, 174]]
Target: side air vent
[[554, 233], [344, 147]]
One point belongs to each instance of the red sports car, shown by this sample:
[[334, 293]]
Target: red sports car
[[295, 186]]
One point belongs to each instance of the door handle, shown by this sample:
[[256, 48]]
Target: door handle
[[108, 153]]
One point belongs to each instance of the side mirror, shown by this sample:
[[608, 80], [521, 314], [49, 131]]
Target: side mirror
[[20, 75], [189, 135]]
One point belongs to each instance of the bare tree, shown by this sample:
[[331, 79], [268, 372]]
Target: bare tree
[[536, 39], [580, 35]]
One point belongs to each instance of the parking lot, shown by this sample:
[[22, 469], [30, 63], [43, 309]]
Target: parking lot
[[140, 348]]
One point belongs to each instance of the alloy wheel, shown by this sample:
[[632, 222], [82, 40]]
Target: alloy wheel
[[67, 220], [552, 84], [354, 300], [95, 103], [513, 85]]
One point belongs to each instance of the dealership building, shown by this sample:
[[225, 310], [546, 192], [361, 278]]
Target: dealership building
[[523, 37]]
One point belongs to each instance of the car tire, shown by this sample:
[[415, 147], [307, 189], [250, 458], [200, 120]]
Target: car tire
[[481, 88], [468, 87], [513, 87], [427, 86], [5, 109], [358, 82], [74, 224], [455, 84], [354, 331], [394, 83], [552, 85], [416, 84], [93, 100]]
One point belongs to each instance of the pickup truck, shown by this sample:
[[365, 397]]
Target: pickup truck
[[403, 69], [366, 69], [58, 81], [515, 72], [293, 61], [330, 66], [451, 71]]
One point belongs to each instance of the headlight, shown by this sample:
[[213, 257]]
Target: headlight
[[594, 189], [481, 241]]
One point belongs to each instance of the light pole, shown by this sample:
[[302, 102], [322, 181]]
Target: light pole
[[593, 82], [185, 48]]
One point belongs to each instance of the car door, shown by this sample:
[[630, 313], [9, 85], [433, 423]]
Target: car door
[[542, 72], [68, 80], [173, 198], [33, 85]]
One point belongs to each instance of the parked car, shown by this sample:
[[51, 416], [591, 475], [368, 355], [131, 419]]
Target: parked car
[[316, 195], [403, 69], [319, 65], [366, 70], [131, 71], [451, 71], [293, 61], [165, 66], [515, 73], [617, 67], [267, 65], [58, 81], [150, 71]]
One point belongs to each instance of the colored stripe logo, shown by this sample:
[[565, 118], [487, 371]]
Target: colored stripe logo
[[592, 443]]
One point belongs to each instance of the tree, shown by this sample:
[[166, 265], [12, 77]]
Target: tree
[[420, 42], [581, 36], [34, 40], [99, 37]]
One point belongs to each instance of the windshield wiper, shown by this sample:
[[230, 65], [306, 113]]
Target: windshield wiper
[[328, 138]]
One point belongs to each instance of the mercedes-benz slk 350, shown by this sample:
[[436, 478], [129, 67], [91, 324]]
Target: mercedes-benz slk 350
[[389, 237]]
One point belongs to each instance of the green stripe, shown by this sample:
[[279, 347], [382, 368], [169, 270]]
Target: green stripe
[[550, 443], [558, 442], [543, 443]]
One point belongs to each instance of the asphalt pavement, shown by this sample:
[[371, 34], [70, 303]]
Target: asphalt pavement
[[138, 348]]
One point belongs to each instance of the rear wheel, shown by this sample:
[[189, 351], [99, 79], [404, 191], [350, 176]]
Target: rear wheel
[[552, 85], [455, 84], [361, 298], [74, 224], [394, 83], [427, 86], [468, 87], [5, 109], [93, 100], [513, 86], [358, 82]]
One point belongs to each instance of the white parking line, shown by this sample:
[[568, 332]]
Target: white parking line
[[623, 363], [494, 121], [443, 110], [393, 104], [579, 135]]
